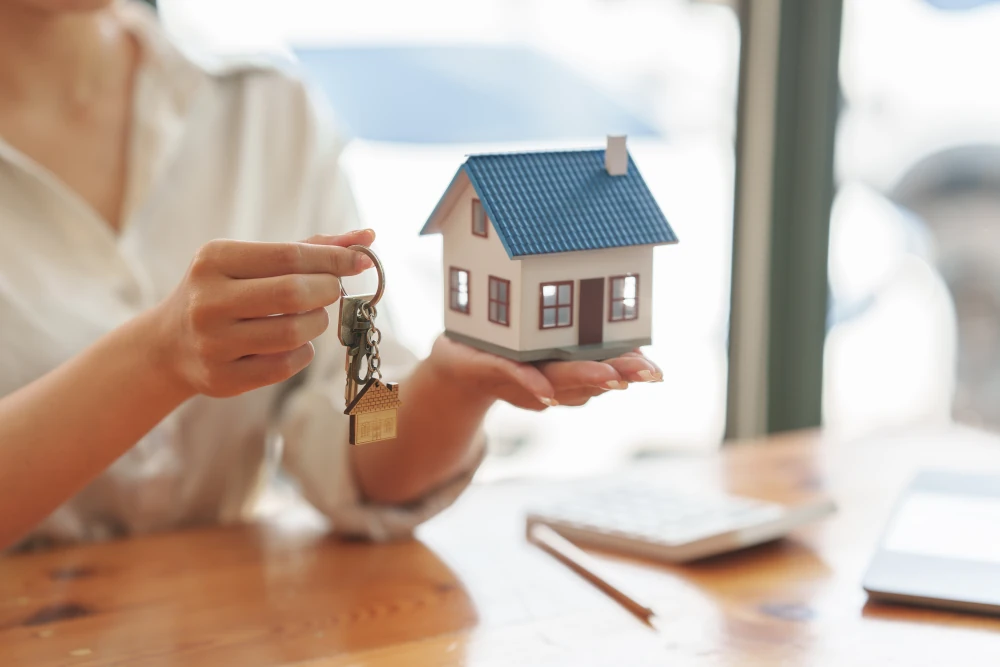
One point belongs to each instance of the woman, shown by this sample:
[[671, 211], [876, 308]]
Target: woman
[[144, 363]]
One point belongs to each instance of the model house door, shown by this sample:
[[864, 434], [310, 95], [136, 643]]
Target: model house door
[[591, 311]]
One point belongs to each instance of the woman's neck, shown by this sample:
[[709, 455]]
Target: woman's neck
[[60, 57]]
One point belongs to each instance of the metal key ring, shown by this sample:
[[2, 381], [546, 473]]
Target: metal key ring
[[378, 269]]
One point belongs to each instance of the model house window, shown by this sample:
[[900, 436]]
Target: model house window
[[499, 301], [478, 218], [459, 283], [557, 306], [624, 298]]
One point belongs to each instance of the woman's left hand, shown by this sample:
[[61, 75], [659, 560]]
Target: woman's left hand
[[542, 384]]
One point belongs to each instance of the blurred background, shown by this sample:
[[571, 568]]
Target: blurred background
[[911, 335]]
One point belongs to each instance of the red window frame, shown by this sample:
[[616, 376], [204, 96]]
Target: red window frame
[[478, 205], [454, 289], [556, 306], [498, 302], [612, 299]]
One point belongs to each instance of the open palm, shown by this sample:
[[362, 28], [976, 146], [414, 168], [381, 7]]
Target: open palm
[[535, 386]]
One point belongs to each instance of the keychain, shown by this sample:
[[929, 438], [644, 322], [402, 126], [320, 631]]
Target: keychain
[[371, 403]]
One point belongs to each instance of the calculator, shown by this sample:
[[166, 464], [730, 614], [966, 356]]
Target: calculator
[[667, 524]]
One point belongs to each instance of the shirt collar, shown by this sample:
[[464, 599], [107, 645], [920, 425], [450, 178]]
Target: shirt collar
[[167, 85], [176, 73]]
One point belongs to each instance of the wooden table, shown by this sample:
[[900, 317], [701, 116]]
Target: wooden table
[[472, 592]]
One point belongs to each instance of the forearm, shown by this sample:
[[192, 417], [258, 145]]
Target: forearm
[[61, 431], [438, 420]]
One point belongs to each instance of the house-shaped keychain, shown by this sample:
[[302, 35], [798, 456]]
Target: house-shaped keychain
[[549, 255], [373, 412]]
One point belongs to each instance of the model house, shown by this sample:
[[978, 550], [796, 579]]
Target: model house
[[549, 255]]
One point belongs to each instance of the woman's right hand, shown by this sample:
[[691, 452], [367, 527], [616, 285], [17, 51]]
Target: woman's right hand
[[245, 313]]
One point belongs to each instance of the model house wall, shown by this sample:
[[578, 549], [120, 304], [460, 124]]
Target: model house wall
[[481, 257], [485, 257], [576, 266]]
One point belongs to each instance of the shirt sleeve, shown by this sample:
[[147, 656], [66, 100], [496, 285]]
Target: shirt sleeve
[[313, 426]]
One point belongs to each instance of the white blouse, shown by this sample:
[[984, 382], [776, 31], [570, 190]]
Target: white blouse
[[219, 150]]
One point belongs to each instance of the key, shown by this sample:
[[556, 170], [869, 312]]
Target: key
[[352, 327], [352, 334], [371, 404]]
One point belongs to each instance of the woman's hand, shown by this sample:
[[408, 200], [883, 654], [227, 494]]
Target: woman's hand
[[447, 396], [242, 317], [540, 385], [245, 313]]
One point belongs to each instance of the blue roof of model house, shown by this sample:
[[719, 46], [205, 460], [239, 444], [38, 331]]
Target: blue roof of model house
[[560, 201]]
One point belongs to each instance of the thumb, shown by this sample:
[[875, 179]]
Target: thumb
[[363, 237]]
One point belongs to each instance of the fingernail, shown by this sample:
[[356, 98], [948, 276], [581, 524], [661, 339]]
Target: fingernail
[[362, 261], [372, 231], [616, 384], [551, 402], [650, 376]]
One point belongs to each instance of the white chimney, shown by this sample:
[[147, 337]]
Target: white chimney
[[616, 155]]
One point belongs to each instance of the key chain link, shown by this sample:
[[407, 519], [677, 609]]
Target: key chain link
[[368, 312]]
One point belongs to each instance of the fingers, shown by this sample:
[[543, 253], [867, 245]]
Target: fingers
[[612, 374], [579, 396], [244, 259], [363, 237], [573, 383], [572, 374], [636, 368], [575, 397], [245, 314], [265, 369], [526, 376], [261, 297], [282, 333], [638, 353], [576, 382], [519, 398]]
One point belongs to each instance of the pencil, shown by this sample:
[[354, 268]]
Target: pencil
[[584, 565]]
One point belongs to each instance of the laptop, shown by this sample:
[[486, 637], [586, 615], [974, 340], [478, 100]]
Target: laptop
[[941, 547]]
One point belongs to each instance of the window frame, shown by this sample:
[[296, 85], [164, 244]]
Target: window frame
[[612, 299], [490, 300], [453, 290], [542, 307], [486, 220]]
